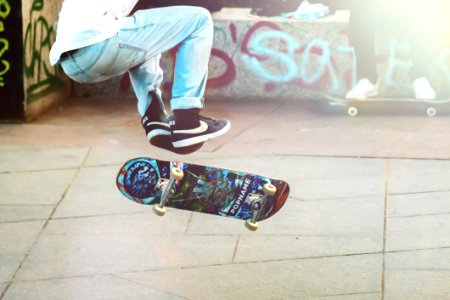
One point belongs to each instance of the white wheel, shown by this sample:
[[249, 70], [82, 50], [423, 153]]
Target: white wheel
[[352, 111], [269, 189], [253, 226], [176, 174], [160, 211], [431, 111]]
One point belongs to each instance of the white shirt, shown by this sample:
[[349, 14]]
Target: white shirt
[[83, 23]]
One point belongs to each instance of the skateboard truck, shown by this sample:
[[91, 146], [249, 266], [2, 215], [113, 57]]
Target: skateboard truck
[[269, 190], [167, 188]]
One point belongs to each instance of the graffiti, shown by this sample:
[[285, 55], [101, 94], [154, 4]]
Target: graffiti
[[5, 10], [396, 63], [275, 57], [228, 75], [281, 58], [261, 52], [39, 36], [325, 67], [249, 34]]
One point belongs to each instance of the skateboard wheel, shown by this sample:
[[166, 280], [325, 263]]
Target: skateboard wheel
[[158, 210], [431, 111], [352, 111], [176, 174], [269, 189], [253, 226]]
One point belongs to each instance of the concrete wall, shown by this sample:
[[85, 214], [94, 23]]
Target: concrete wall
[[28, 84], [43, 84], [267, 58]]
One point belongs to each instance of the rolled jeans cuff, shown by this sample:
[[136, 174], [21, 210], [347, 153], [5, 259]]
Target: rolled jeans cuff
[[187, 103]]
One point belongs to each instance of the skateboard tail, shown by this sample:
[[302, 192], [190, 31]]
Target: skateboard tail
[[138, 176]]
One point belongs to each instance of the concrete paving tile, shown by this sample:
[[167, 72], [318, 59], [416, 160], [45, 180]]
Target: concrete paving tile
[[289, 132], [34, 188], [272, 248], [5, 128], [429, 259], [105, 245], [17, 238], [143, 224], [418, 204], [8, 266], [417, 285], [24, 213], [420, 232], [48, 136], [421, 274], [415, 176], [91, 113], [291, 279], [49, 159], [343, 217], [94, 192], [293, 130], [361, 296], [10, 148], [96, 287]]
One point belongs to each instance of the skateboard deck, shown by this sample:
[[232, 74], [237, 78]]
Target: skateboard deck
[[353, 104], [203, 189]]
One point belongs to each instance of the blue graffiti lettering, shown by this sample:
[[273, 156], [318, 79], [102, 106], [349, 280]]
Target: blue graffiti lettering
[[394, 63], [257, 46], [323, 66]]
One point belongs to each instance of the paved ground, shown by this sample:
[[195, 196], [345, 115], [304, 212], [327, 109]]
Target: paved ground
[[368, 216]]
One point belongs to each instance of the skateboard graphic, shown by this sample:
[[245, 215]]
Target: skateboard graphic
[[353, 104], [202, 189]]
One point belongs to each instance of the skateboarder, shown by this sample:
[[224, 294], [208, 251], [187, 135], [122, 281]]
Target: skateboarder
[[365, 17], [97, 40]]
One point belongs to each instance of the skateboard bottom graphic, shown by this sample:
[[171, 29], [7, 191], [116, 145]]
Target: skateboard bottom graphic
[[203, 189], [430, 107]]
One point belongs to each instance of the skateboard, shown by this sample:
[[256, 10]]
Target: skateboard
[[202, 189], [353, 104]]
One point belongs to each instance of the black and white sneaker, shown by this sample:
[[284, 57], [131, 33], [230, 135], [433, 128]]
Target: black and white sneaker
[[189, 128], [155, 120]]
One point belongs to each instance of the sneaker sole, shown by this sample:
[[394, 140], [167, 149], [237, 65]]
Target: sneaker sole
[[201, 138], [157, 132]]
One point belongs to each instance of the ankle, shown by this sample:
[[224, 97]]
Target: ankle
[[155, 111], [187, 118]]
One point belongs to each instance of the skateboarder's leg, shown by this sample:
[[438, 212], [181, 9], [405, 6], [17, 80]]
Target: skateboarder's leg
[[190, 29], [146, 79], [422, 56], [136, 47], [362, 33]]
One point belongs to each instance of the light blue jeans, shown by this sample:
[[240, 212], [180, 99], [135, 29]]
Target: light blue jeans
[[137, 48]]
